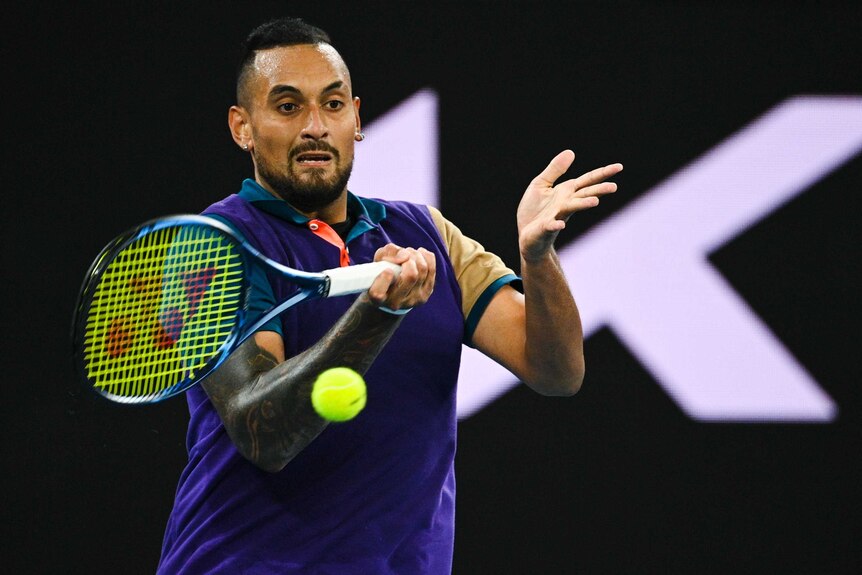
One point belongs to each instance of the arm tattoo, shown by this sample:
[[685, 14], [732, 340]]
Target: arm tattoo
[[266, 406]]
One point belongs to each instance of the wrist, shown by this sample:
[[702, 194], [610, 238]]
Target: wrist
[[548, 256]]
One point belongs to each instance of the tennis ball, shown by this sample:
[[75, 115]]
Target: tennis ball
[[338, 394]]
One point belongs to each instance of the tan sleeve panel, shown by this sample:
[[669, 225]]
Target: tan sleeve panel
[[475, 268]]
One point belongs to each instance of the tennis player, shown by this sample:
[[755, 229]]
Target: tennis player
[[270, 487]]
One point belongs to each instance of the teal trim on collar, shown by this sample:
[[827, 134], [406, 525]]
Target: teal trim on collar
[[372, 210], [369, 213], [254, 193]]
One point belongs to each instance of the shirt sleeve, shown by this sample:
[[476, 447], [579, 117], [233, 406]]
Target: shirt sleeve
[[480, 273], [261, 298]]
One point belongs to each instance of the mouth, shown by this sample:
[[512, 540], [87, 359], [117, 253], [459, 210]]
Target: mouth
[[314, 159]]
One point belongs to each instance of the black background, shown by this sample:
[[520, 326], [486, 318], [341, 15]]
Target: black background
[[117, 113]]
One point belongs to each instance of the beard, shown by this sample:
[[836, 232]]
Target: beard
[[313, 190]]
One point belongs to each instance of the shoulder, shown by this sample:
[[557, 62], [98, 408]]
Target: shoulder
[[240, 215], [480, 273], [397, 208], [226, 207]]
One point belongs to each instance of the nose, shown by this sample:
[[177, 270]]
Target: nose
[[315, 127]]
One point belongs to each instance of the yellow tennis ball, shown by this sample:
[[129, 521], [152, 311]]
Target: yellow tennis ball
[[338, 394]]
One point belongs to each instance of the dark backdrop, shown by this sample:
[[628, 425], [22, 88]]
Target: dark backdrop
[[116, 114]]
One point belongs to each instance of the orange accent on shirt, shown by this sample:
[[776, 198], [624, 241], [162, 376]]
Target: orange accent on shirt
[[322, 230]]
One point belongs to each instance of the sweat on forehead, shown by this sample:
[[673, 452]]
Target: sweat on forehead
[[283, 63]]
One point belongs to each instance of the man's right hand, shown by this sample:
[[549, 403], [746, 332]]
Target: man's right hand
[[413, 286]]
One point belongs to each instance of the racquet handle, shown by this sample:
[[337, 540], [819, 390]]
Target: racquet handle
[[354, 279]]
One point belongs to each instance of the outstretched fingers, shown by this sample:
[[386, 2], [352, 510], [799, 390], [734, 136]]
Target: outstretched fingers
[[583, 192], [590, 186], [597, 176]]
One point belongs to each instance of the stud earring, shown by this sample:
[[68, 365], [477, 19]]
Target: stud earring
[[245, 147], [359, 136]]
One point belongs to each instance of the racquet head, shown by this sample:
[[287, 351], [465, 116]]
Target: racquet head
[[159, 308]]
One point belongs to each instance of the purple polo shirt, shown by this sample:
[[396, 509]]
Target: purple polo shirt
[[374, 495]]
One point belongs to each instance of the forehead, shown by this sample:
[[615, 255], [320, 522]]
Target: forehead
[[308, 67]]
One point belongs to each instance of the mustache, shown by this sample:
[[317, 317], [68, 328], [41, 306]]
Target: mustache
[[313, 146]]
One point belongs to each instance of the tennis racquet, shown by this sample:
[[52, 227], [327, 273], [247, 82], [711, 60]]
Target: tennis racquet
[[165, 303]]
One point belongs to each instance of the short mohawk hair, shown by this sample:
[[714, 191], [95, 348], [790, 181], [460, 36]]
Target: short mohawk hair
[[285, 31]]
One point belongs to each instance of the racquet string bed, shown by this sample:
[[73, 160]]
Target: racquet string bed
[[163, 308]]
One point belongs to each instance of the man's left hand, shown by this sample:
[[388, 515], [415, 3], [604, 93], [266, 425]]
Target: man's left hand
[[545, 207]]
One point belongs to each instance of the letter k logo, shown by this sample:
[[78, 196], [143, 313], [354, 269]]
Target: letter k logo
[[644, 272]]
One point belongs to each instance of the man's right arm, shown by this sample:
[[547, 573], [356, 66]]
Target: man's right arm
[[264, 400]]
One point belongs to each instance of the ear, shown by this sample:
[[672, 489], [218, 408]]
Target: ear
[[240, 127], [356, 103]]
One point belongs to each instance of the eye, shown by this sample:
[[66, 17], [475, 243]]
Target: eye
[[334, 105], [288, 107]]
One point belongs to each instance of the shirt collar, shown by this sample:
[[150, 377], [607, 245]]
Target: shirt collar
[[369, 213]]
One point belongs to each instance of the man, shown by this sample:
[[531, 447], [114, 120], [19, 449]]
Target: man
[[270, 486]]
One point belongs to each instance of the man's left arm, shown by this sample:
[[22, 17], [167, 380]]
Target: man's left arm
[[537, 335]]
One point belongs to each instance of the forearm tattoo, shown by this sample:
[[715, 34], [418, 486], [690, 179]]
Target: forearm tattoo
[[266, 406]]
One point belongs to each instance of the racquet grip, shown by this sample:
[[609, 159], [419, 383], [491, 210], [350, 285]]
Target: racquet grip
[[354, 279]]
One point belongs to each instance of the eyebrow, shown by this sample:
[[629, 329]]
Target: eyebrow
[[281, 89]]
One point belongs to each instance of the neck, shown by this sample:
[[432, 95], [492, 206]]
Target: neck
[[332, 213]]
